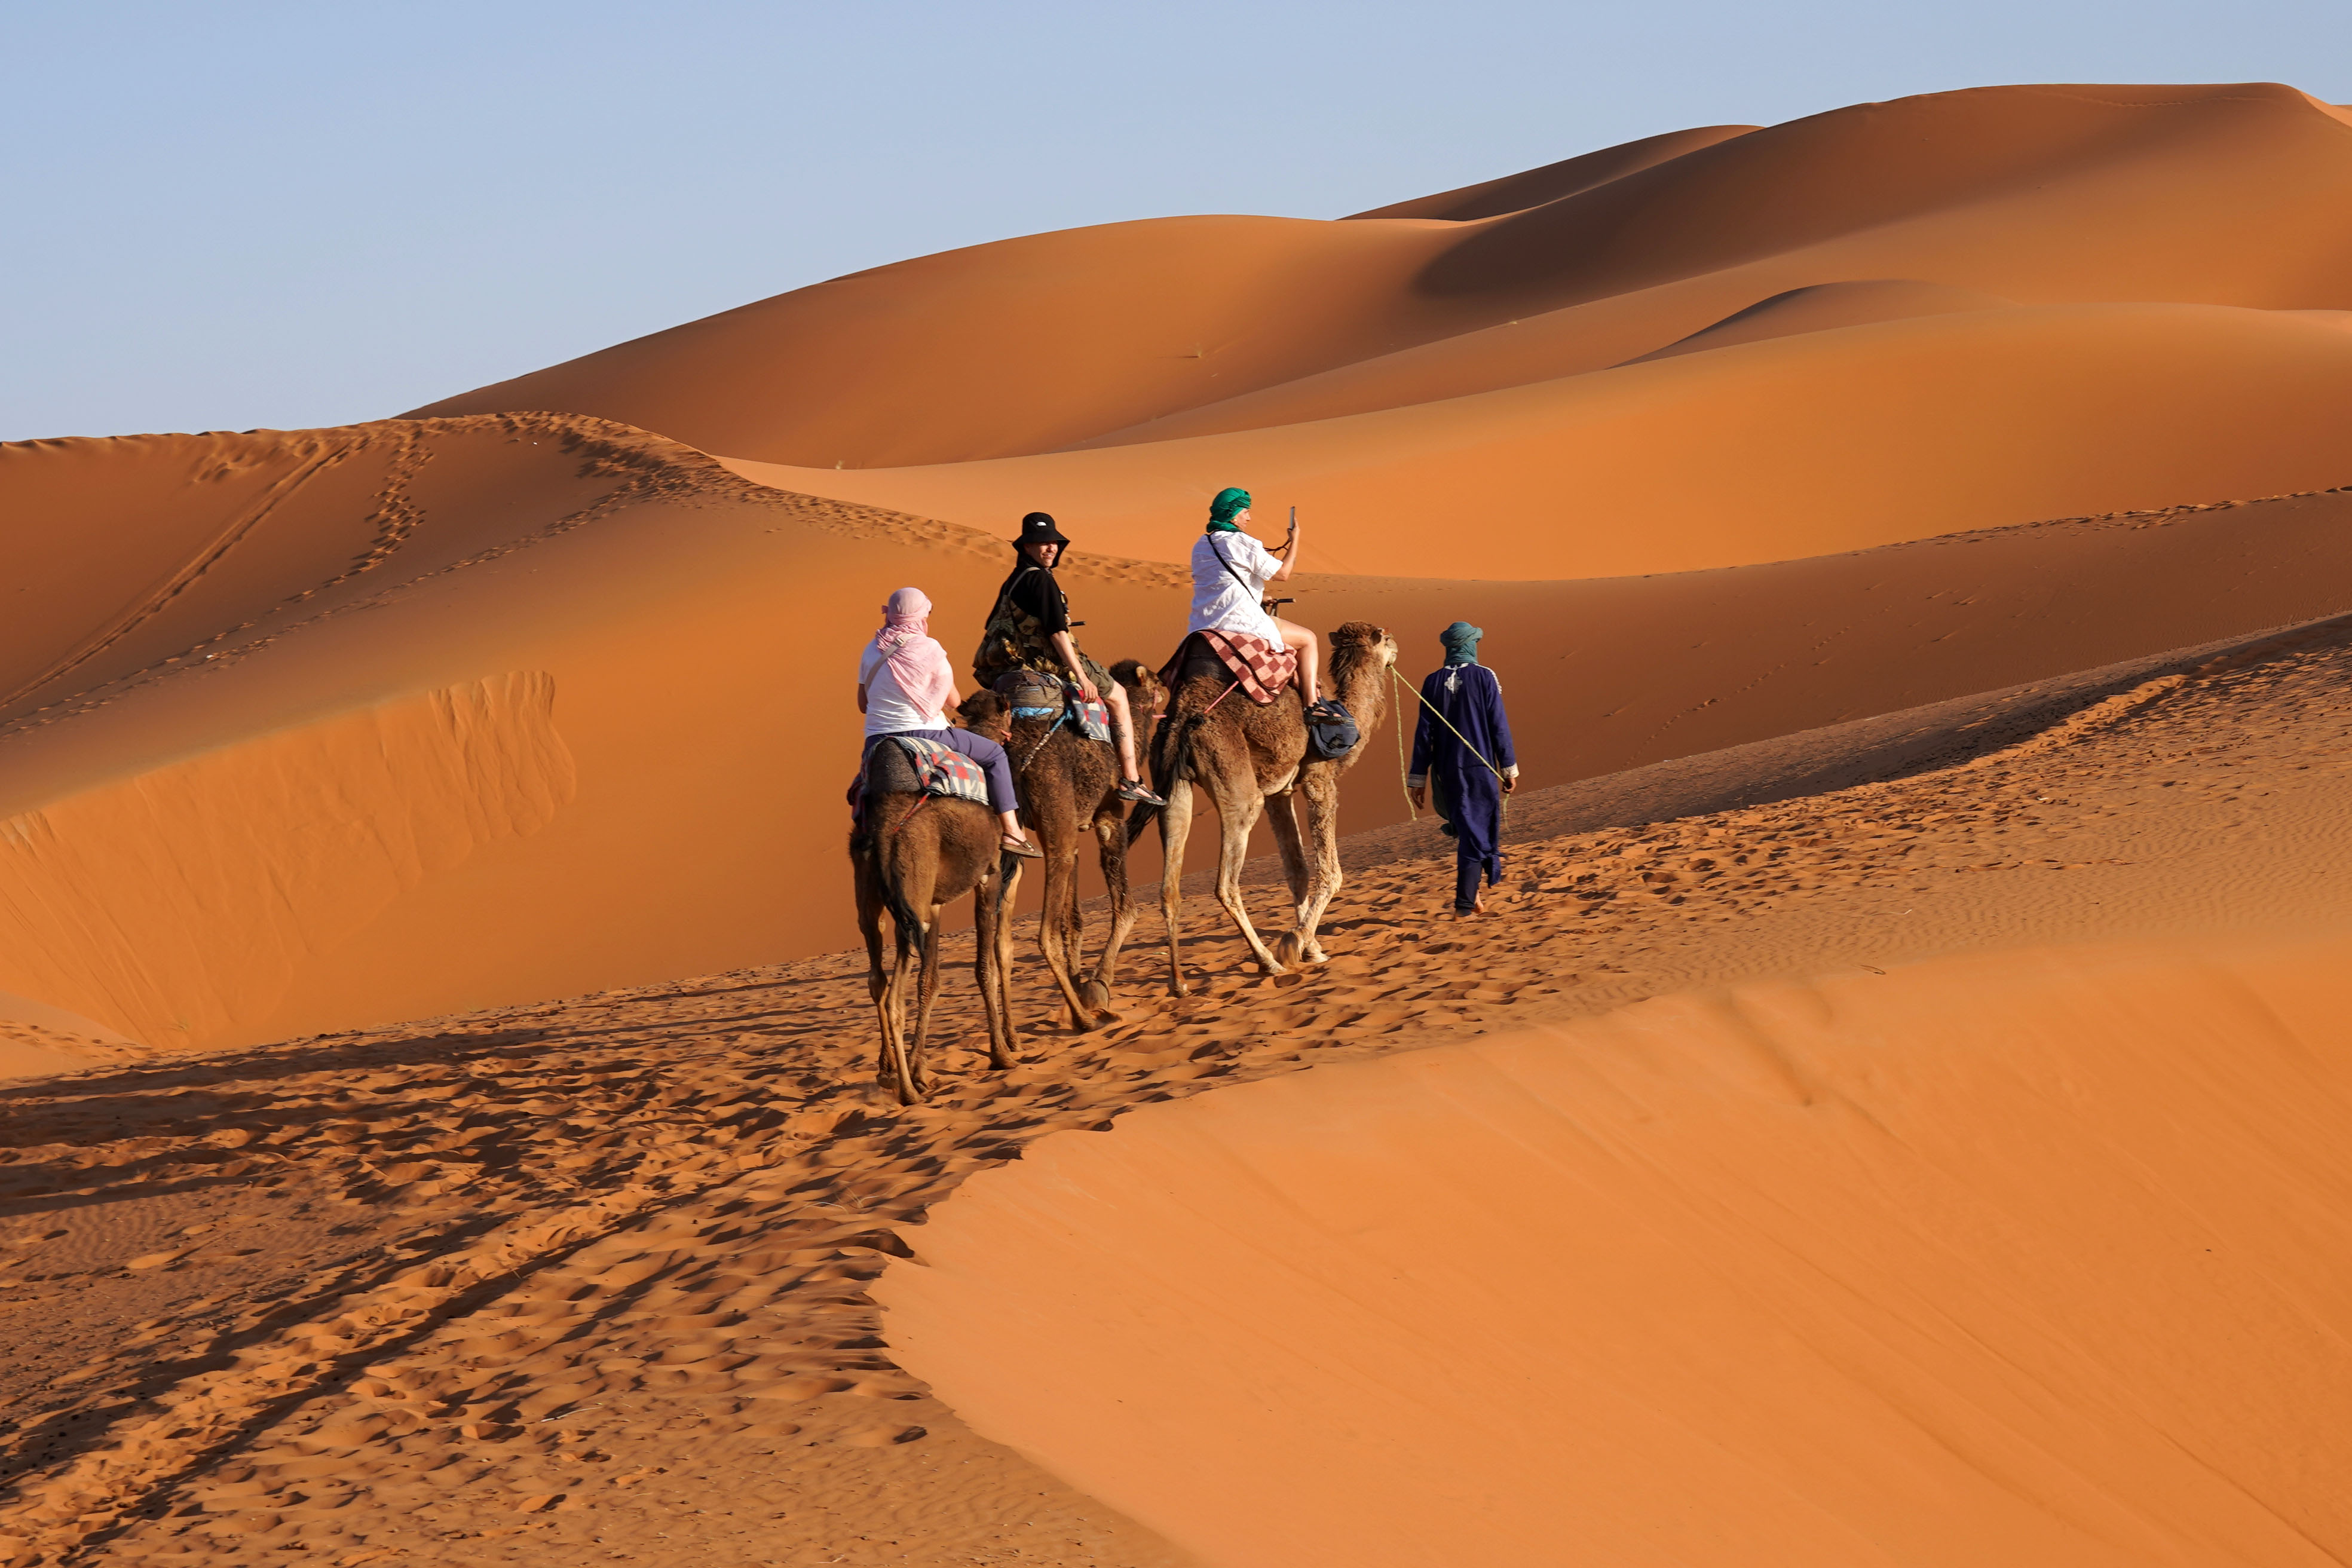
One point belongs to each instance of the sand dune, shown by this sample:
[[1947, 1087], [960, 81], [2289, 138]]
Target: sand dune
[[1914, 541], [2209, 196], [203, 860], [1826, 306], [1798, 446], [2018, 1259], [597, 1276], [1568, 177]]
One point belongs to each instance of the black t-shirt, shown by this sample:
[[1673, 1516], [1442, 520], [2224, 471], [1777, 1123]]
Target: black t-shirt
[[1032, 588]]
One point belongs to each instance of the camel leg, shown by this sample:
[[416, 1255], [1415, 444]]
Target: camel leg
[[1054, 922], [896, 1072], [1234, 820], [1175, 826], [1321, 787], [1282, 816], [927, 991], [1110, 838], [1007, 903], [866, 880], [988, 968]]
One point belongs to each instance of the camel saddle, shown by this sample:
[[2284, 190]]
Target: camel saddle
[[1034, 694], [909, 764], [1261, 669]]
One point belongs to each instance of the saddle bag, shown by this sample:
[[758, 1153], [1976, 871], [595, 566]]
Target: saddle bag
[[1332, 733], [1030, 693]]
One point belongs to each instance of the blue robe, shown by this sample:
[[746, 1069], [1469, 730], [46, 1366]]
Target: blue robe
[[1465, 790]]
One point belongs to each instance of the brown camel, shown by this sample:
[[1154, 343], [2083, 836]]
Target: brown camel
[[914, 855], [1247, 758], [1068, 790]]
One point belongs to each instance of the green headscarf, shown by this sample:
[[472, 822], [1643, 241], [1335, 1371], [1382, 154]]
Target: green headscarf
[[1461, 640], [1231, 502]]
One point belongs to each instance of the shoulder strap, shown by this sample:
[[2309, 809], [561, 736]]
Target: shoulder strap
[[1229, 566]]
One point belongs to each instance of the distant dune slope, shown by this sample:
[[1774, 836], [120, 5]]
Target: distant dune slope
[[217, 838], [2027, 1257], [2232, 195], [1761, 451]]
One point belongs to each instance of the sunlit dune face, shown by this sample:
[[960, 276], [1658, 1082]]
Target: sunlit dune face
[[2035, 1259]]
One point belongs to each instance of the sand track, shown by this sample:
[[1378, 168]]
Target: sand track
[[594, 1251]]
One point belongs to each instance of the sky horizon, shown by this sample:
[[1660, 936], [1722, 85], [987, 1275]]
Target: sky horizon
[[268, 215]]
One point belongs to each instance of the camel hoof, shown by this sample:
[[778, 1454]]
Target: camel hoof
[[1285, 950]]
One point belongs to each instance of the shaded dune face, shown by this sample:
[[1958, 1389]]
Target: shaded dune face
[[1551, 183], [1822, 307], [2029, 1257]]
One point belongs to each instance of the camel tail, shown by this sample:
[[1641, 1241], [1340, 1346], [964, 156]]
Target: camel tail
[[895, 898]]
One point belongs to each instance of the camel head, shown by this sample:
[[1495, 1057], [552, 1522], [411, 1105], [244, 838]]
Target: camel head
[[987, 714], [1140, 677], [1360, 648]]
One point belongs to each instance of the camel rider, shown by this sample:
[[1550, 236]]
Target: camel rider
[[1230, 573], [904, 685], [1029, 628]]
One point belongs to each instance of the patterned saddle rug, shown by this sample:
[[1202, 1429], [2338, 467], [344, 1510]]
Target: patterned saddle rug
[[909, 764], [1263, 668]]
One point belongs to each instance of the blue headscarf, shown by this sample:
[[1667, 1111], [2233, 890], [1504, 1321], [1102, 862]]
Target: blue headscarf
[[1231, 502], [1461, 640]]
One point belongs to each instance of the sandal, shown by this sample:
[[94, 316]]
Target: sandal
[[1132, 789], [1027, 848]]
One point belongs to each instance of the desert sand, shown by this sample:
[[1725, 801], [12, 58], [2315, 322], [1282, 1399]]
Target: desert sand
[[1889, 1115]]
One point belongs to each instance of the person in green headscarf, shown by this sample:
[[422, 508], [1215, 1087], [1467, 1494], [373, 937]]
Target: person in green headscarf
[[1231, 571]]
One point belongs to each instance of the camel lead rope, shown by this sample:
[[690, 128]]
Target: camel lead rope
[[1403, 775]]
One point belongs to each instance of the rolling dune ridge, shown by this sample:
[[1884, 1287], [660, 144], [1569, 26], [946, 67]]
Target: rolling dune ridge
[[1887, 1114]]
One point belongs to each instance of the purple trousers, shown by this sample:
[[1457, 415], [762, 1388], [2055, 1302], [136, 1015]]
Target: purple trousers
[[979, 748]]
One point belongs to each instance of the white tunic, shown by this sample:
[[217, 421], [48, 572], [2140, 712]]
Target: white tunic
[[1221, 604], [888, 710]]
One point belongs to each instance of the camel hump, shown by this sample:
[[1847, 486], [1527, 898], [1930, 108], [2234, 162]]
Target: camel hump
[[890, 771]]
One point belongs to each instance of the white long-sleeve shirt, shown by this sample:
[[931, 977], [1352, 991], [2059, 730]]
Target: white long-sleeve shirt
[[1221, 604]]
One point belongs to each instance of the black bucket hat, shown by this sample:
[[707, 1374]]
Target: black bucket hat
[[1038, 528]]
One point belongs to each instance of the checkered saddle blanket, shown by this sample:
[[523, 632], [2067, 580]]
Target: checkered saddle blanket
[[909, 764], [1264, 668]]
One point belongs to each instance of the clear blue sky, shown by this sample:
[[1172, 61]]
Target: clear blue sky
[[229, 214]]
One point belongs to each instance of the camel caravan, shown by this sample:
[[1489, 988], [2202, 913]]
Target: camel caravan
[[1048, 752]]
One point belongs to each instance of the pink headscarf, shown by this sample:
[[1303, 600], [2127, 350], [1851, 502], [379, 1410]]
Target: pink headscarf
[[917, 660]]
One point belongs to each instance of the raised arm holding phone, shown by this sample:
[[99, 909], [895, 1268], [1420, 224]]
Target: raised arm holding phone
[[1231, 571]]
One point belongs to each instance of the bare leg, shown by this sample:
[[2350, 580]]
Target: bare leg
[[1122, 729], [1303, 643], [1012, 824]]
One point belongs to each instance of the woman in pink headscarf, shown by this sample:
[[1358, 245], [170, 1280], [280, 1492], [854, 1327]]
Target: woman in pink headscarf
[[904, 687]]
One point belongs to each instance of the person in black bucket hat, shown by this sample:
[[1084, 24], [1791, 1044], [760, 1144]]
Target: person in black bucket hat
[[1029, 628]]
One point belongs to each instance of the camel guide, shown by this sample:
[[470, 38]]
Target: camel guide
[[1229, 573], [1462, 748], [904, 686], [1029, 628]]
